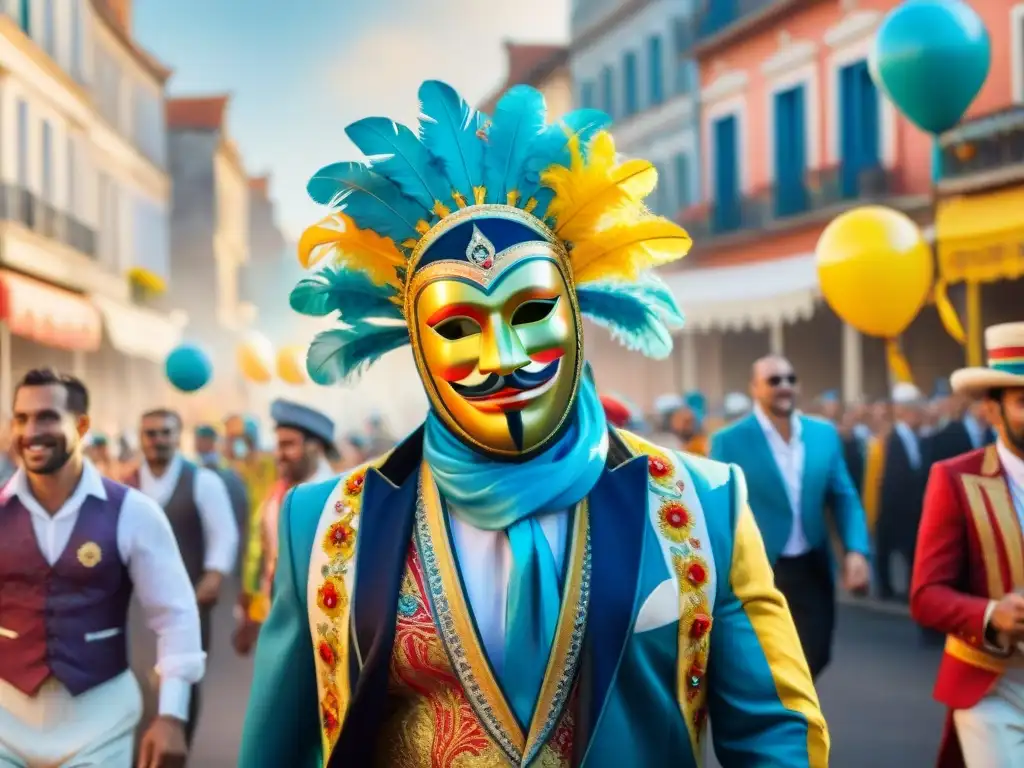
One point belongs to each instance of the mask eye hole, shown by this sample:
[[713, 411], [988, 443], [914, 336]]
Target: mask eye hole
[[533, 311], [455, 328]]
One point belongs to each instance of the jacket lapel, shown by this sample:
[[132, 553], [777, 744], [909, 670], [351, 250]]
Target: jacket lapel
[[385, 534], [815, 458], [618, 519], [764, 457], [990, 491]]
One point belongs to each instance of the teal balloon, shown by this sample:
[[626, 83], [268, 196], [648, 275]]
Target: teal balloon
[[931, 58], [188, 368]]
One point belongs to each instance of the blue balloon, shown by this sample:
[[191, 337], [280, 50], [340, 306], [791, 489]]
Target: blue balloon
[[188, 368], [931, 57]]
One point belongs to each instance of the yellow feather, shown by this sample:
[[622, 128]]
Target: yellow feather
[[586, 195], [362, 249], [626, 249]]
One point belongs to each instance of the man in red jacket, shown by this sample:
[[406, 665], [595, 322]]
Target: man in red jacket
[[969, 569]]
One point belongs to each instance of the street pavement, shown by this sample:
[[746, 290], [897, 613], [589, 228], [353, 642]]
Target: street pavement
[[876, 695]]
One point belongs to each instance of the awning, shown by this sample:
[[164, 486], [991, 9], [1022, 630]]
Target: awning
[[138, 332], [981, 237], [756, 295], [47, 315]]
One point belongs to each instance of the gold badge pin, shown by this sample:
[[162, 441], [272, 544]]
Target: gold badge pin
[[89, 554]]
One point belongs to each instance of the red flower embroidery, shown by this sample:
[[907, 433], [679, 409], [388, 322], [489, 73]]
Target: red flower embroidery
[[330, 720], [331, 598], [700, 626], [326, 653], [697, 574], [340, 539], [694, 542], [675, 515], [354, 484], [700, 717], [659, 467]]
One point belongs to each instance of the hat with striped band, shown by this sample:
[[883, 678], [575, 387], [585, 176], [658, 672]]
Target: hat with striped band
[[1004, 345]]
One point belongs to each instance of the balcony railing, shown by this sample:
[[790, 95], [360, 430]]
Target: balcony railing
[[719, 15], [822, 192], [22, 206], [987, 149]]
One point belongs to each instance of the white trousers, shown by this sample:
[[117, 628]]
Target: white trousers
[[992, 732], [54, 729]]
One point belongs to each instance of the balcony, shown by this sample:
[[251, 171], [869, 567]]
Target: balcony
[[822, 195], [23, 207], [984, 152]]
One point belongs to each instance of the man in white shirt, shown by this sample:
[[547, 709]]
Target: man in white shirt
[[198, 507], [969, 570], [74, 546]]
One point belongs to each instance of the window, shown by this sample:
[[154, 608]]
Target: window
[[24, 145], [109, 220], [655, 71], [682, 37], [108, 88], [630, 93], [47, 162], [587, 95], [77, 43], [859, 127], [49, 28], [682, 168], [725, 133], [608, 91], [72, 206], [151, 238], [25, 16], [790, 152], [1017, 52], [662, 196], [148, 125]]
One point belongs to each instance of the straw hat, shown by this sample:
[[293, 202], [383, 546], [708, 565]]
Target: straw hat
[[1004, 346]]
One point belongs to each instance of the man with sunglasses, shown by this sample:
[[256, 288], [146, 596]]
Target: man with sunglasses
[[795, 471], [198, 507]]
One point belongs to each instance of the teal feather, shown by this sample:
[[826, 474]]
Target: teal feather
[[371, 200], [449, 129], [518, 119], [397, 153], [349, 292], [633, 321], [652, 289], [551, 146], [342, 354]]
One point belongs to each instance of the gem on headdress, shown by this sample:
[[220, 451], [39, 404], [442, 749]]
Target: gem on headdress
[[480, 251]]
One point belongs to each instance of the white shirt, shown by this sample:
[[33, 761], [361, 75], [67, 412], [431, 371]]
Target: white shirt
[[147, 547], [1013, 465], [911, 442], [216, 515], [485, 562], [789, 457]]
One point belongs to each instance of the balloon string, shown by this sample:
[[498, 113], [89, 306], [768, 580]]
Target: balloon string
[[947, 313], [898, 365]]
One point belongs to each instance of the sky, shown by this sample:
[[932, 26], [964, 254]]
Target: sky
[[299, 72]]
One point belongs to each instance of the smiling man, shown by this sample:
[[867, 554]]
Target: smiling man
[[516, 583], [74, 547]]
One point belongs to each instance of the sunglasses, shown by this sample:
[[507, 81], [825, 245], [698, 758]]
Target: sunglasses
[[778, 381], [153, 434]]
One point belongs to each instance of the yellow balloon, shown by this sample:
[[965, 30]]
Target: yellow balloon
[[291, 365], [875, 269], [255, 357]]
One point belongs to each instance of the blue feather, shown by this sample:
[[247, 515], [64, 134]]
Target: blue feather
[[449, 129], [398, 154], [633, 322], [343, 354], [518, 119], [372, 201], [349, 292], [551, 147], [652, 289]]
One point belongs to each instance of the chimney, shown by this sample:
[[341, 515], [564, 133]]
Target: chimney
[[122, 10]]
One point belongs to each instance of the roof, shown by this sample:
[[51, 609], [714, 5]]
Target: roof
[[260, 185], [116, 16], [528, 64], [197, 113]]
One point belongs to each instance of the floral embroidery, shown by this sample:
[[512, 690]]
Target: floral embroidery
[[408, 605], [340, 539], [699, 626], [675, 521], [694, 636], [331, 597], [660, 468], [329, 713], [696, 678], [700, 718], [354, 483], [694, 542], [327, 653]]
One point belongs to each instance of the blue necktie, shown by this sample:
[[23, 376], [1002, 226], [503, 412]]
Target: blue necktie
[[531, 616]]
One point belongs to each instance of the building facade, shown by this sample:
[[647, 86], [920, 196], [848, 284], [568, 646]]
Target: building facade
[[84, 210], [545, 67], [210, 244], [633, 60]]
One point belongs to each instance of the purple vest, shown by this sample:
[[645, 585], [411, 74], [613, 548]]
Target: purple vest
[[67, 620]]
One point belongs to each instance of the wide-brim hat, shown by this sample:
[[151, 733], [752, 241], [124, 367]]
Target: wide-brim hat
[[1004, 349]]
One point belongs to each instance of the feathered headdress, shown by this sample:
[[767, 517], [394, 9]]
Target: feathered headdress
[[565, 174]]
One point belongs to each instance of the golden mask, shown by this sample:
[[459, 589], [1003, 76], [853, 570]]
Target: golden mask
[[496, 333]]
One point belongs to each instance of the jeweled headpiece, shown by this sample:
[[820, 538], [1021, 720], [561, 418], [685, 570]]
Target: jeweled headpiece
[[481, 241]]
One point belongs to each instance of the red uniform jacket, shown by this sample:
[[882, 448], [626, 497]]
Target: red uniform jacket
[[970, 551]]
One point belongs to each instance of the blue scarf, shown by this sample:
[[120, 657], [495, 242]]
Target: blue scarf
[[495, 495]]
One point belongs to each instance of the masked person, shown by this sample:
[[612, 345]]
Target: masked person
[[74, 547], [305, 447], [516, 582], [196, 504]]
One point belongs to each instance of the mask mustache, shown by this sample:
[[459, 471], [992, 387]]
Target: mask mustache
[[494, 383]]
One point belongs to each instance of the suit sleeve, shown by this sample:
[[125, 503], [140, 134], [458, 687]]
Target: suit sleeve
[[937, 596], [847, 508], [761, 699], [281, 719]]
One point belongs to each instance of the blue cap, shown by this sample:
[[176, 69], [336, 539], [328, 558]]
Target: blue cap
[[286, 413], [831, 396], [207, 431], [697, 403]]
